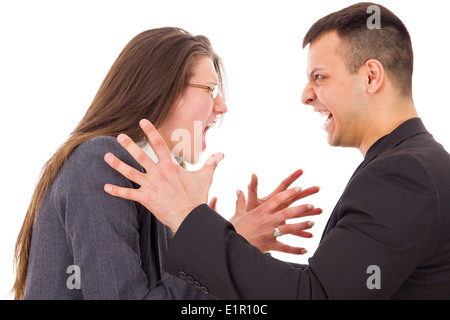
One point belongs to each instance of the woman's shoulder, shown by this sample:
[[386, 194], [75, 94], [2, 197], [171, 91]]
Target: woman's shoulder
[[98, 144], [92, 152]]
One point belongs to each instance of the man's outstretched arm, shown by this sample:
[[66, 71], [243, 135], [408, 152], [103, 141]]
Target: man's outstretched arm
[[207, 250]]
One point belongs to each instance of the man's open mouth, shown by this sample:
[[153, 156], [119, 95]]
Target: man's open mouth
[[328, 116]]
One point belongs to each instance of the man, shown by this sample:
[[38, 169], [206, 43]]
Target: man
[[387, 237]]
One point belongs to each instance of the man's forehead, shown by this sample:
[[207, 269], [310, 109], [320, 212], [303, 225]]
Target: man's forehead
[[327, 39], [322, 52]]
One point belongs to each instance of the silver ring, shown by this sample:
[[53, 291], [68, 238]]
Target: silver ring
[[277, 232]]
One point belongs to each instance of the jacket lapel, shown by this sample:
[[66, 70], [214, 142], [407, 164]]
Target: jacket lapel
[[403, 132]]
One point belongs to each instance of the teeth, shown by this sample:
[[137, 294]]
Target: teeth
[[324, 113], [211, 124], [214, 122]]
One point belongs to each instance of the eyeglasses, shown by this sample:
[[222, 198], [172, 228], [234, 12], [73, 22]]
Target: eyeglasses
[[214, 90]]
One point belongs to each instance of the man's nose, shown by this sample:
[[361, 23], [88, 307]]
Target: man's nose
[[308, 96]]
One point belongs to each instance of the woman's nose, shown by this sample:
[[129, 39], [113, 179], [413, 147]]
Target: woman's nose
[[220, 106]]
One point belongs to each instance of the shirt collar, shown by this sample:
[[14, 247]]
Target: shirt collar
[[404, 131]]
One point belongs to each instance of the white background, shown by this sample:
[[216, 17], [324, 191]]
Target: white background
[[55, 54]]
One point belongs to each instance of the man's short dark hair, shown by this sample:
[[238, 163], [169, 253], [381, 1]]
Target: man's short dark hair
[[390, 44]]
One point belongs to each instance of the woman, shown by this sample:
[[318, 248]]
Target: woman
[[78, 242]]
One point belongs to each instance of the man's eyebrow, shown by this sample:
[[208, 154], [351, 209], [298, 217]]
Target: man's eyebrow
[[311, 74]]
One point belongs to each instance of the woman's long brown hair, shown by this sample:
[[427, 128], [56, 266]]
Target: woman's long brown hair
[[145, 81]]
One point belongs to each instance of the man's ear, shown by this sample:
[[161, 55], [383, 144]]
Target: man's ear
[[373, 75]]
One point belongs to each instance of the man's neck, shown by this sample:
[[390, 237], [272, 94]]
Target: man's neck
[[384, 123]]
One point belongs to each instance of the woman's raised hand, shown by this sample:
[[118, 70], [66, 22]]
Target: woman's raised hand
[[169, 191]]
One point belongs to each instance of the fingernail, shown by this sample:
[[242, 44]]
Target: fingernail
[[304, 251], [109, 158], [219, 157], [297, 189], [108, 188], [238, 192], [121, 137], [143, 123], [211, 160], [310, 223], [310, 206]]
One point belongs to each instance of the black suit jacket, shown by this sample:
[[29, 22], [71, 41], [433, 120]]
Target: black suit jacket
[[387, 238]]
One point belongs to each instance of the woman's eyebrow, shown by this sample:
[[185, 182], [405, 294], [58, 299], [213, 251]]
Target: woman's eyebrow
[[208, 82], [213, 82]]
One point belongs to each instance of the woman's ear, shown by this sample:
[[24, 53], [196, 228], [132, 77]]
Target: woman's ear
[[373, 73]]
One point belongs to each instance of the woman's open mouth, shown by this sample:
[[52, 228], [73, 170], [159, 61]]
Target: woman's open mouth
[[207, 127]]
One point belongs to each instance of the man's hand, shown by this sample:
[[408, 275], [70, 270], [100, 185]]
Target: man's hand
[[257, 219], [169, 191]]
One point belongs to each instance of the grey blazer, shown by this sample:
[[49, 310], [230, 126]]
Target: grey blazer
[[87, 244]]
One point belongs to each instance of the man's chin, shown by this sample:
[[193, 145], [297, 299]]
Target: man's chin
[[333, 141]]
